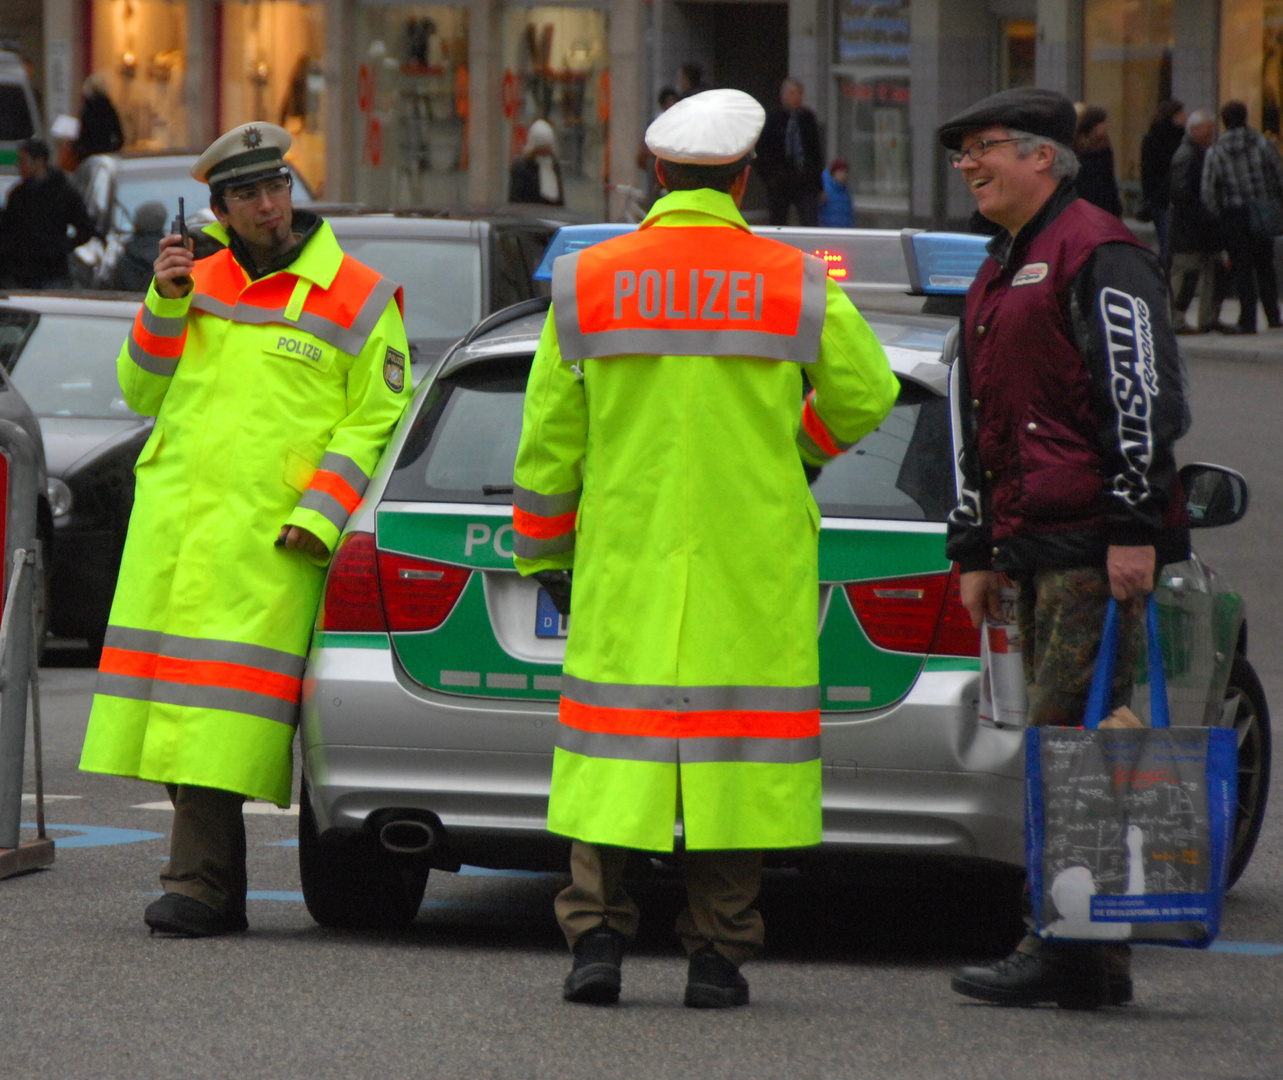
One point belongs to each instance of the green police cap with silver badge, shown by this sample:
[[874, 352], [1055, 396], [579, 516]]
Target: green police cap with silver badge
[[246, 153]]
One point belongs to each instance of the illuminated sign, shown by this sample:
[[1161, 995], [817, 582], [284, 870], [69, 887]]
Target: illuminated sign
[[834, 263]]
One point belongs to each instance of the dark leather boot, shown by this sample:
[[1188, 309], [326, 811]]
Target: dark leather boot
[[595, 977], [713, 982], [181, 916], [1072, 976]]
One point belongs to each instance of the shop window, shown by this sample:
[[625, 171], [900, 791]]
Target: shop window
[[871, 64], [412, 100], [1016, 54], [556, 68], [1272, 71], [139, 50], [1127, 71], [272, 54]]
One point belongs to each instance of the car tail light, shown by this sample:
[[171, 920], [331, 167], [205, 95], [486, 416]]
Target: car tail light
[[418, 594], [352, 587], [922, 614]]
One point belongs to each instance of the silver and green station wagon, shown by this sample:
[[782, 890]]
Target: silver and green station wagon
[[430, 699]]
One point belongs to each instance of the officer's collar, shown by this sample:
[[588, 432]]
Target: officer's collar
[[305, 223], [707, 201], [1004, 245]]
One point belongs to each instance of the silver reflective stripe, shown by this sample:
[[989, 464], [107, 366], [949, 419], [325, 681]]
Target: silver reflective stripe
[[545, 505], [163, 325], [702, 750], [180, 647], [691, 698], [620, 747], [352, 473], [156, 365], [198, 697], [527, 547], [810, 446], [802, 347], [326, 505], [208, 304]]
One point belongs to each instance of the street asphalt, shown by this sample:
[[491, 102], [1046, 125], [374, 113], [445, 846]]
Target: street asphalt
[[854, 981]]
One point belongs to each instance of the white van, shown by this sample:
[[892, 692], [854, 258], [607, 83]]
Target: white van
[[19, 118]]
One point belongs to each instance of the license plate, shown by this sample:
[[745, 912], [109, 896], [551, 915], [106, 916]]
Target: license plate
[[549, 622]]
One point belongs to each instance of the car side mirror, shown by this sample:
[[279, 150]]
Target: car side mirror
[[1214, 495]]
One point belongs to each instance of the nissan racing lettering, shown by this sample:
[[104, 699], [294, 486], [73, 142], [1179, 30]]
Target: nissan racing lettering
[[703, 294], [1133, 383]]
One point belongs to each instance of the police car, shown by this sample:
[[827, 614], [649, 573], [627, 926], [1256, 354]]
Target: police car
[[430, 699]]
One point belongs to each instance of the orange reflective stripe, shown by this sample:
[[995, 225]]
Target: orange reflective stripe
[[168, 347], [336, 487], [342, 301], [219, 276], [662, 723], [199, 673], [815, 428], [542, 528]]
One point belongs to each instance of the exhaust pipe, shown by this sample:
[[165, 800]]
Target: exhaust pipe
[[408, 836]]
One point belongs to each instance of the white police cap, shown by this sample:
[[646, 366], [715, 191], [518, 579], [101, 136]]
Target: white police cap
[[716, 127], [244, 153]]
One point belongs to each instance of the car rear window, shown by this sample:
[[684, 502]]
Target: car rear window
[[67, 367], [463, 446], [441, 279]]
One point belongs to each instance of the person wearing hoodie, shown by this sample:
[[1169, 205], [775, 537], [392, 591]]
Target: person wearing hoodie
[[133, 270], [837, 211], [1242, 168], [535, 177]]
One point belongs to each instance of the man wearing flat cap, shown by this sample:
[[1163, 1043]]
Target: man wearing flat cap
[[663, 458], [276, 370], [1071, 401]]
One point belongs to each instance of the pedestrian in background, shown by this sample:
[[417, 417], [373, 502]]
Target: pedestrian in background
[[690, 79], [100, 130], [1195, 239], [1157, 148], [1067, 482], [790, 158], [1242, 181], [691, 677], [276, 370], [535, 177], [133, 270], [43, 221], [1097, 181], [837, 211]]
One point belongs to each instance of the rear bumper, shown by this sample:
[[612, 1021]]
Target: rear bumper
[[923, 777]]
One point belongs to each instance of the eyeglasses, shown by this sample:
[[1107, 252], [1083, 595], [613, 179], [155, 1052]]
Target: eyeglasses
[[977, 150], [273, 189]]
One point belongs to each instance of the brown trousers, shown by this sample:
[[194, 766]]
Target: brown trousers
[[720, 889], [207, 848]]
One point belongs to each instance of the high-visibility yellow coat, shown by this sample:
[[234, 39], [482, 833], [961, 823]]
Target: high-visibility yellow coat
[[661, 457], [273, 401]]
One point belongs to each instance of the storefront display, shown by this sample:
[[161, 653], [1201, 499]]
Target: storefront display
[[139, 51], [557, 68], [871, 65], [412, 105], [271, 67]]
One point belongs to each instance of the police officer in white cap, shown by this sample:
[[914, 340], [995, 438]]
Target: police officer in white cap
[[276, 369], [664, 460]]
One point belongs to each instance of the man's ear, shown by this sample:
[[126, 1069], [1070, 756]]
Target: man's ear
[[219, 213], [659, 173], [1046, 156]]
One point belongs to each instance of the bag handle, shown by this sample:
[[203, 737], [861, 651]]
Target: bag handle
[[1102, 680]]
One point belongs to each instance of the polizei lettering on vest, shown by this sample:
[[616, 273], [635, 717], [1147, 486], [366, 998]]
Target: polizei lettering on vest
[[1133, 382], [704, 295], [304, 349]]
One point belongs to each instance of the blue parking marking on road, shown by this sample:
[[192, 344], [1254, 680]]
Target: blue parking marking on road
[[95, 835], [1246, 948], [486, 871], [283, 843], [275, 894]]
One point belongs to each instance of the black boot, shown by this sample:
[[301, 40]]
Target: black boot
[[713, 982], [594, 977], [182, 916], [1072, 976]]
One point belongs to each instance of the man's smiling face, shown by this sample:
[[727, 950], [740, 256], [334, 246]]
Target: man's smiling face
[[1009, 189]]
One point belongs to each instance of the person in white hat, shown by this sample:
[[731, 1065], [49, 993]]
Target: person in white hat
[[276, 370], [664, 459]]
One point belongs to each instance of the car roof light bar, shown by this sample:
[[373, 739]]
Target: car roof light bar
[[942, 263], [571, 238]]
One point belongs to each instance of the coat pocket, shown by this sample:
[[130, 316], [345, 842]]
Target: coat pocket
[[299, 470], [1060, 474], [300, 347]]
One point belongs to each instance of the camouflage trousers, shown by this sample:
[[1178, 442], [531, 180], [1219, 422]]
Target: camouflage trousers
[[1061, 614]]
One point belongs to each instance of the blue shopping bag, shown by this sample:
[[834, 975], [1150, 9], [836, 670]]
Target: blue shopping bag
[[1128, 831]]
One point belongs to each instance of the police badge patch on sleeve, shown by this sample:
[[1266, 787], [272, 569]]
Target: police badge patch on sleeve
[[394, 371]]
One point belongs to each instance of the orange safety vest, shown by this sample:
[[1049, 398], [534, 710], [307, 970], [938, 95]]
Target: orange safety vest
[[696, 291]]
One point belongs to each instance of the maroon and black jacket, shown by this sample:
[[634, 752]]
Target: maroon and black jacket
[[1071, 398]]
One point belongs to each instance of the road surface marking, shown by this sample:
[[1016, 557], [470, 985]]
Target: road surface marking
[[95, 835]]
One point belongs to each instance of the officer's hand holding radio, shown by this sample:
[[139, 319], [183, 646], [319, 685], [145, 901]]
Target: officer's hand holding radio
[[173, 267]]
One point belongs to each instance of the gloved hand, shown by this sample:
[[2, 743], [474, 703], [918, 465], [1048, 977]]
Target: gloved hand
[[558, 583], [812, 472]]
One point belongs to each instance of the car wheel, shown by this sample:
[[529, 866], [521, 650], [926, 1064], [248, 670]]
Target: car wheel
[[352, 883], [1252, 722]]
